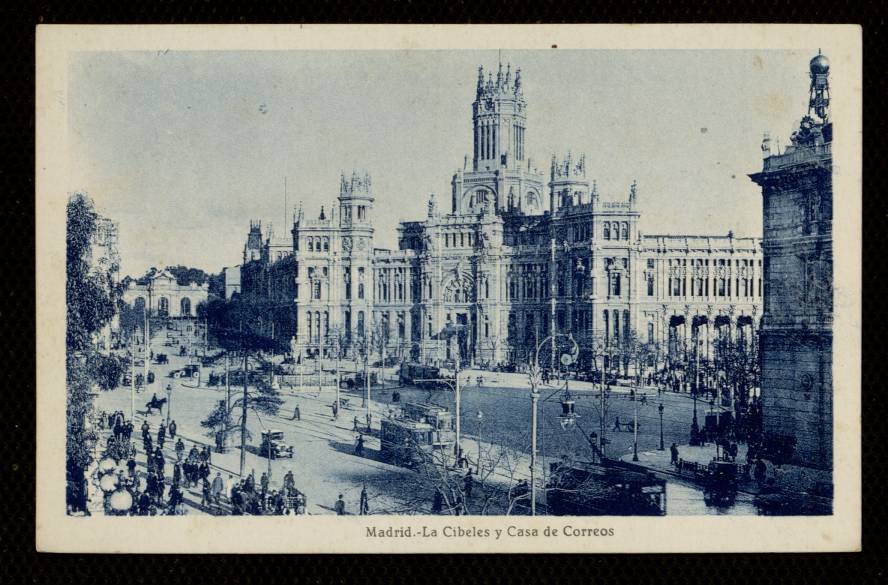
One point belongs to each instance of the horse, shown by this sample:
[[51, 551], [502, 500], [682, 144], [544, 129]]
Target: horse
[[157, 403]]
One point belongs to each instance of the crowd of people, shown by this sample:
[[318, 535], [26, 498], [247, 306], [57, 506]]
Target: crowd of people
[[155, 493]]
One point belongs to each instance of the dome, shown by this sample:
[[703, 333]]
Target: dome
[[820, 64]]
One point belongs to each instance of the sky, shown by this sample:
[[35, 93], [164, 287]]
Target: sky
[[184, 149]]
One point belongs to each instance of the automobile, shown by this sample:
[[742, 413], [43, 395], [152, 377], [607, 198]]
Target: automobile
[[273, 445], [161, 358]]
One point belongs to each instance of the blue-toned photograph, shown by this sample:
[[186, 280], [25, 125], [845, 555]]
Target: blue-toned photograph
[[454, 283]]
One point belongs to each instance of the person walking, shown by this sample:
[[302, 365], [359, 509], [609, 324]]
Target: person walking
[[761, 470], [339, 506], [437, 501], [205, 492], [369, 421], [365, 504], [289, 482], [172, 429], [359, 446], [161, 435], [180, 449], [263, 486], [296, 414], [335, 408], [229, 487], [159, 460], [355, 428], [217, 488], [673, 451], [468, 484]]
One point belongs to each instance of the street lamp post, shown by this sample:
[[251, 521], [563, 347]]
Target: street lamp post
[[660, 408], [133, 375], [169, 391], [635, 429], [534, 401], [480, 417]]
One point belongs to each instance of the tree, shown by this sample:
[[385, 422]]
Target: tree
[[237, 328], [89, 308]]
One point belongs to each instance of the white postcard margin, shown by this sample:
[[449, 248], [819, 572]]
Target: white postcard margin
[[58, 532]]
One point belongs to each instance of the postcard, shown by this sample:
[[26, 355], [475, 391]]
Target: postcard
[[448, 288]]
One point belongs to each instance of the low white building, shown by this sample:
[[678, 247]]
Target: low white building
[[165, 297]]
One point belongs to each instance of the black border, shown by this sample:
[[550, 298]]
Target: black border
[[18, 307]]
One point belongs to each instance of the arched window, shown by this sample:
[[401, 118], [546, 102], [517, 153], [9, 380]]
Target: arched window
[[139, 304], [185, 307], [360, 323], [326, 244], [311, 247], [607, 231], [360, 290], [624, 233], [163, 306]]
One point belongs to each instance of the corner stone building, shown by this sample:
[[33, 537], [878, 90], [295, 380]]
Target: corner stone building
[[515, 257], [796, 335]]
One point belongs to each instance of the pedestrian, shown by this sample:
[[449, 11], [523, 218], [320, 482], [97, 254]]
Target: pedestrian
[[289, 482], [172, 429], [131, 467], [359, 446], [144, 503], [365, 504], [263, 485], [761, 470], [617, 426], [673, 450], [468, 484], [335, 408], [146, 429], [180, 449], [177, 473], [217, 488], [296, 414], [176, 501], [205, 494], [161, 435], [437, 501], [369, 418], [229, 487], [356, 429], [339, 506], [159, 460]]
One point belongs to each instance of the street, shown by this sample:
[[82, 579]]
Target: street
[[325, 464]]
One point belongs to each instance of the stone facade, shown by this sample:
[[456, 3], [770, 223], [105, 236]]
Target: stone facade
[[165, 297], [509, 261], [796, 335]]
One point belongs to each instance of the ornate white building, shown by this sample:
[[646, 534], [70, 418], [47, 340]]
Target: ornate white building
[[508, 261], [165, 297]]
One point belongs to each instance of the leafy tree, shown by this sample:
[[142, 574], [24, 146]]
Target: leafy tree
[[89, 307]]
